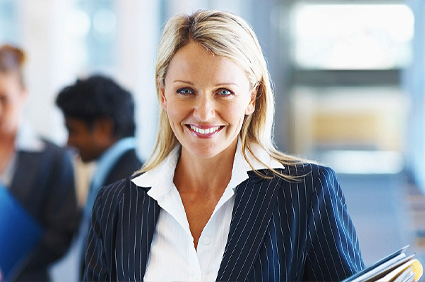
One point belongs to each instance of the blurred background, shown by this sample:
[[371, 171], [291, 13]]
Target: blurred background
[[348, 75]]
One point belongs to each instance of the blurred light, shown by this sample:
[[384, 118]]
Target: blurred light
[[104, 24], [364, 162], [78, 23], [351, 36]]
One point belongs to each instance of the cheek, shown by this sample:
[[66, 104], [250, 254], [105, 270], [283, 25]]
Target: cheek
[[235, 112], [78, 139], [176, 111], [11, 112]]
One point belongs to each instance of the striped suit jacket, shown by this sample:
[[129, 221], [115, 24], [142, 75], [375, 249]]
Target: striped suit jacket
[[280, 230]]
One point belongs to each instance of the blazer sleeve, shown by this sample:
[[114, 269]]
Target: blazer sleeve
[[334, 251]]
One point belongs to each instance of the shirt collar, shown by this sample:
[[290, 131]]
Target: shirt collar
[[160, 179], [27, 139], [109, 158]]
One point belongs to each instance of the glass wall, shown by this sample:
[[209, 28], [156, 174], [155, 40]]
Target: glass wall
[[8, 21], [347, 101]]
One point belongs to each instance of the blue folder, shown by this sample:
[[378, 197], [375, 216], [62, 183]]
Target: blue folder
[[19, 234]]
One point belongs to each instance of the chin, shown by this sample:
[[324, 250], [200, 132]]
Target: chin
[[86, 159], [204, 152]]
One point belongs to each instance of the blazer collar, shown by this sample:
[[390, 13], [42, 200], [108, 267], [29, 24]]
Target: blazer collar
[[254, 202]]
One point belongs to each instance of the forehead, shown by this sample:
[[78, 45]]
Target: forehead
[[194, 61], [76, 124]]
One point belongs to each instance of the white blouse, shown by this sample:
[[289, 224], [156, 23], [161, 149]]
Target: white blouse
[[173, 256]]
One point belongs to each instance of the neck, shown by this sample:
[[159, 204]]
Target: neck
[[7, 149], [196, 175]]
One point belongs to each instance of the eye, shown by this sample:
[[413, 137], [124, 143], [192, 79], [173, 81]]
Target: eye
[[224, 92], [185, 91]]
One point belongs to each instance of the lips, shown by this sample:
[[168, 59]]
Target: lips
[[206, 131]]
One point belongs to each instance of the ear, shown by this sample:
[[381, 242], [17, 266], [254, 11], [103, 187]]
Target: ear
[[104, 128], [163, 99], [251, 105]]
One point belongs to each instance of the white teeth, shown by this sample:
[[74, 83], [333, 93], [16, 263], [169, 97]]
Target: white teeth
[[204, 131]]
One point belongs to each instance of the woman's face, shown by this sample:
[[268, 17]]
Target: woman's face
[[206, 98], [12, 99]]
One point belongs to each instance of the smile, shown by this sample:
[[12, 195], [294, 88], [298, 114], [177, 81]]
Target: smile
[[205, 131]]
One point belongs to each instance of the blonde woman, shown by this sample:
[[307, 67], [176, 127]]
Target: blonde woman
[[216, 200]]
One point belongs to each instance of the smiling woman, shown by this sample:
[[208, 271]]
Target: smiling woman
[[216, 200], [206, 103]]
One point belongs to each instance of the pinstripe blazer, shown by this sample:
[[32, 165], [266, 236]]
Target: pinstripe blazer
[[280, 230]]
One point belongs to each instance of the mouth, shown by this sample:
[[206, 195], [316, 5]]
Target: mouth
[[205, 131]]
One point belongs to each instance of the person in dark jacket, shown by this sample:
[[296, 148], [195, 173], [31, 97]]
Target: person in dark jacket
[[99, 117], [37, 173]]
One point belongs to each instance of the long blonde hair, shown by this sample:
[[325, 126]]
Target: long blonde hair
[[223, 34]]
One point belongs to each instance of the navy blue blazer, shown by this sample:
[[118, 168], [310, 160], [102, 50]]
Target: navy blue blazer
[[43, 182], [280, 230]]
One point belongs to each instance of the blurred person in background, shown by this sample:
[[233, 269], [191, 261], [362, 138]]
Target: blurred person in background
[[37, 173], [99, 117]]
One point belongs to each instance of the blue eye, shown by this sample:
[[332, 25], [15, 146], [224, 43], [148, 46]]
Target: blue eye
[[225, 92], [185, 91]]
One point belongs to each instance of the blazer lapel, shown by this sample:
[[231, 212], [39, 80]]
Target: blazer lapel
[[147, 213], [25, 175], [253, 207]]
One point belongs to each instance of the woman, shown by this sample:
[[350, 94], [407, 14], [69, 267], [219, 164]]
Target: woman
[[216, 200], [36, 173]]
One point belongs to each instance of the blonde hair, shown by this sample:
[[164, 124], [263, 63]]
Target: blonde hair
[[12, 60], [223, 34]]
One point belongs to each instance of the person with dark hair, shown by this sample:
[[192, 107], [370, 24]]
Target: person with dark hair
[[99, 117], [36, 173]]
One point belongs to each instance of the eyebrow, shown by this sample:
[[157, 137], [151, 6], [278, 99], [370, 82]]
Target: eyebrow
[[218, 84]]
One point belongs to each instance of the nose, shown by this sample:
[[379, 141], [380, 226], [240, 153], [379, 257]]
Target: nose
[[205, 107]]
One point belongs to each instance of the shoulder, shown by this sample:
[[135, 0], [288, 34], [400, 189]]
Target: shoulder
[[301, 172], [112, 193], [130, 156], [48, 157], [318, 182], [55, 150], [306, 178], [122, 204], [123, 167], [311, 173], [307, 169], [122, 194]]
